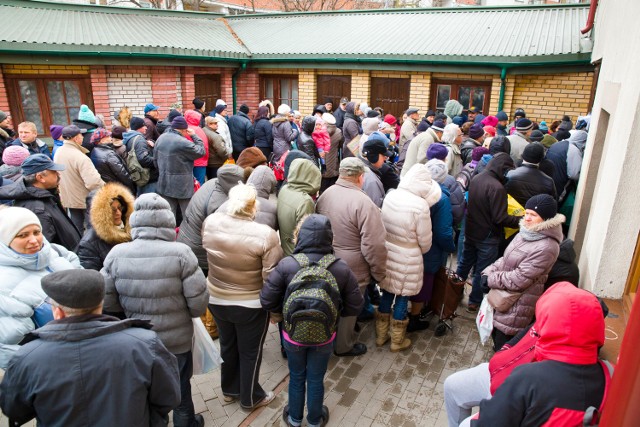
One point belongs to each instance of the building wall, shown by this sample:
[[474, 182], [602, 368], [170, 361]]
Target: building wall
[[129, 87]]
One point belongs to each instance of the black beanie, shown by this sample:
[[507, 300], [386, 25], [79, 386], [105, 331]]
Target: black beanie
[[533, 153], [544, 205], [136, 123], [198, 103], [536, 135], [172, 115], [423, 126], [244, 109]]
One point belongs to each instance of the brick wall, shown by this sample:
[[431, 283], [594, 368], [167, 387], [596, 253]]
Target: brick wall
[[248, 90], [100, 89], [360, 86], [129, 86], [307, 88], [4, 96], [45, 69], [420, 91]]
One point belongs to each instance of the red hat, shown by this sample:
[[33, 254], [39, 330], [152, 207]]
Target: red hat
[[389, 118], [490, 130]]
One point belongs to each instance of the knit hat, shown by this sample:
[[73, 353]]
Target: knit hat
[[251, 157], [536, 135], [476, 131], [478, 152], [75, 288], [524, 125], [437, 169], [566, 123], [117, 132], [543, 127], [220, 102], [389, 118], [150, 107], [3, 116], [98, 134], [284, 109], [372, 114], [548, 141], [533, 153], [502, 116], [136, 123], [328, 118], [490, 130], [438, 125], [173, 114], [86, 115], [179, 123], [198, 103], [14, 219], [430, 113], [55, 130], [519, 113], [423, 126], [437, 151], [459, 120], [490, 121], [14, 155], [351, 166], [544, 205], [244, 109]]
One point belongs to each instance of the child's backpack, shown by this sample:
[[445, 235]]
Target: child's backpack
[[312, 302]]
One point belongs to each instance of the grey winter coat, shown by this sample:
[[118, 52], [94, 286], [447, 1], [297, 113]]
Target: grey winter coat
[[205, 202], [523, 269], [518, 143], [173, 155], [456, 197], [156, 278], [283, 135]]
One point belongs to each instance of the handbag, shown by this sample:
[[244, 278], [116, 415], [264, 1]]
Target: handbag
[[502, 300], [206, 356]]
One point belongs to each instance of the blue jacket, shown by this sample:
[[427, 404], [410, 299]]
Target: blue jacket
[[442, 228], [57, 143], [263, 133], [36, 147], [241, 130]]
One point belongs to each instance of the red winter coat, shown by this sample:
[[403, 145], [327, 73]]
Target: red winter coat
[[193, 120]]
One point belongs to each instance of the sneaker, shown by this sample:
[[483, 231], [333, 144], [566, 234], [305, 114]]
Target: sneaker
[[228, 399], [472, 308], [264, 402]]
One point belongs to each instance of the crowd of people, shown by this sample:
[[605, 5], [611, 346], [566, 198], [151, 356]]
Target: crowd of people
[[117, 239]]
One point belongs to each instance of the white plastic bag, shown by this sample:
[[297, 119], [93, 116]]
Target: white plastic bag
[[484, 320], [206, 356]]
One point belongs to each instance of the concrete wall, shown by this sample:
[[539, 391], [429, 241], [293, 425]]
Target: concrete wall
[[607, 202]]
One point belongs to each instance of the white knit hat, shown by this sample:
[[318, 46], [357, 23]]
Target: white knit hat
[[284, 109], [220, 102], [12, 220], [437, 169]]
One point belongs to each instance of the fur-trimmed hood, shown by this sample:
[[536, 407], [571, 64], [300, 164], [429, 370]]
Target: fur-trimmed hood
[[101, 218], [279, 119], [551, 227]]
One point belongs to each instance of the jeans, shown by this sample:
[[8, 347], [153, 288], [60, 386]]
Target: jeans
[[400, 307], [465, 389], [242, 333], [461, 240], [183, 415], [477, 255], [200, 173], [306, 364], [150, 187]]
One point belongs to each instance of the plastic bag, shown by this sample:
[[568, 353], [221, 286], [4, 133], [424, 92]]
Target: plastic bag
[[484, 320], [206, 356], [513, 208]]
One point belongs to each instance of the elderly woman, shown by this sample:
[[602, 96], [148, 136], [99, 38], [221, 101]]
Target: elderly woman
[[452, 138], [517, 280], [241, 254], [25, 257]]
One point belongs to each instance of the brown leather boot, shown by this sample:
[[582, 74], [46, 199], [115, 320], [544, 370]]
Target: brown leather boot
[[398, 332], [382, 327]]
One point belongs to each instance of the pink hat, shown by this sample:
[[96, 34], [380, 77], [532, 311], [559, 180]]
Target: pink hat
[[14, 155], [490, 121], [490, 130]]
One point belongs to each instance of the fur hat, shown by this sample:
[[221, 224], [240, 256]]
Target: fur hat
[[14, 219], [437, 151], [544, 205], [14, 155], [476, 131], [533, 153], [86, 115], [251, 157]]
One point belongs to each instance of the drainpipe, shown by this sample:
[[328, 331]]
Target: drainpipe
[[503, 84], [591, 17], [234, 79]]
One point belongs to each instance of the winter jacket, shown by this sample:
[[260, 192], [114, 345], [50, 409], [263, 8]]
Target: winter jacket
[[566, 377], [407, 221], [417, 151], [216, 147], [565, 268], [557, 154], [283, 135], [408, 130], [103, 235], [372, 185], [193, 120], [487, 205], [523, 269], [13, 173], [322, 139], [223, 130], [241, 255], [332, 157], [241, 131], [306, 143], [454, 158], [40, 382], [56, 225], [263, 134], [466, 149], [295, 199], [111, 167], [174, 156], [79, 176], [351, 124], [152, 128], [456, 199], [518, 143], [154, 277], [134, 140], [339, 115], [204, 202], [527, 181], [442, 240], [36, 147], [264, 181], [575, 152], [89, 127], [358, 230], [315, 241], [21, 293]]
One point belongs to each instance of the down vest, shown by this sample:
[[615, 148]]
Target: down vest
[[523, 269], [407, 219], [155, 278]]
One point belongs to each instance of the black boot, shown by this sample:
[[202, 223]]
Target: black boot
[[416, 324]]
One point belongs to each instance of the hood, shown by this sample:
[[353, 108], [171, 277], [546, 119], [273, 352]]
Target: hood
[[19, 191], [570, 325], [228, 177], [264, 181], [350, 108], [308, 124], [369, 125], [192, 117], [152, 219], [418, 181], [294, 154], [453, 108], [304, 176], [567, 253], [499, 165], [579, 139], [315, 236], [78, 328], [128, 135], [277, 120], [100, 216], [551, 227]]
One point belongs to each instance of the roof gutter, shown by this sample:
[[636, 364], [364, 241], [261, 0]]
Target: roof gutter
[[591, 17], [503, 84], [234, 81]]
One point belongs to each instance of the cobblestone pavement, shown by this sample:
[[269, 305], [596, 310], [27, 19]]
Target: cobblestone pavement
[[379, 388]]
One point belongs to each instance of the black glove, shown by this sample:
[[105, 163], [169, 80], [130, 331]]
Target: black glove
[[484, 284]]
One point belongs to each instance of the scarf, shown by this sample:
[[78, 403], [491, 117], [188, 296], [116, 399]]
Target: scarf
[[530, 236]]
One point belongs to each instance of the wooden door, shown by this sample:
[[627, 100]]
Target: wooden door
[[208, 89], [391, 94], [334, 87]]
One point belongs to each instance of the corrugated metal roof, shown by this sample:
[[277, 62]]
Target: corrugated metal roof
[[37, 26], [508, 35]]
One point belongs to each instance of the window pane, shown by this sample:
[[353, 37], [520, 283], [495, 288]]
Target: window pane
[[59, 116], [294, 104], [464, 93], [444, 94], [56, 94], [72, 90], [478, 98], [268, 88], [294, 89], [73, 112], [285, 85], [30, 103]]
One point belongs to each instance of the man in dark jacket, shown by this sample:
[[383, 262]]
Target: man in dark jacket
[[40, 381], [305, 140], [527, 180], [340, 111], [486, 218], [475, 139], [151, 116], [135, 140], [241, 130], [37, 191], [174, 154]]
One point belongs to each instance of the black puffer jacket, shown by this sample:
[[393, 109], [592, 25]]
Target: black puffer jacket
[[315, 241], [263, 133], [467, 148], [565, 269], [241, 131], [487, 206], [305, 141], [528, 181], [110, 166]]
